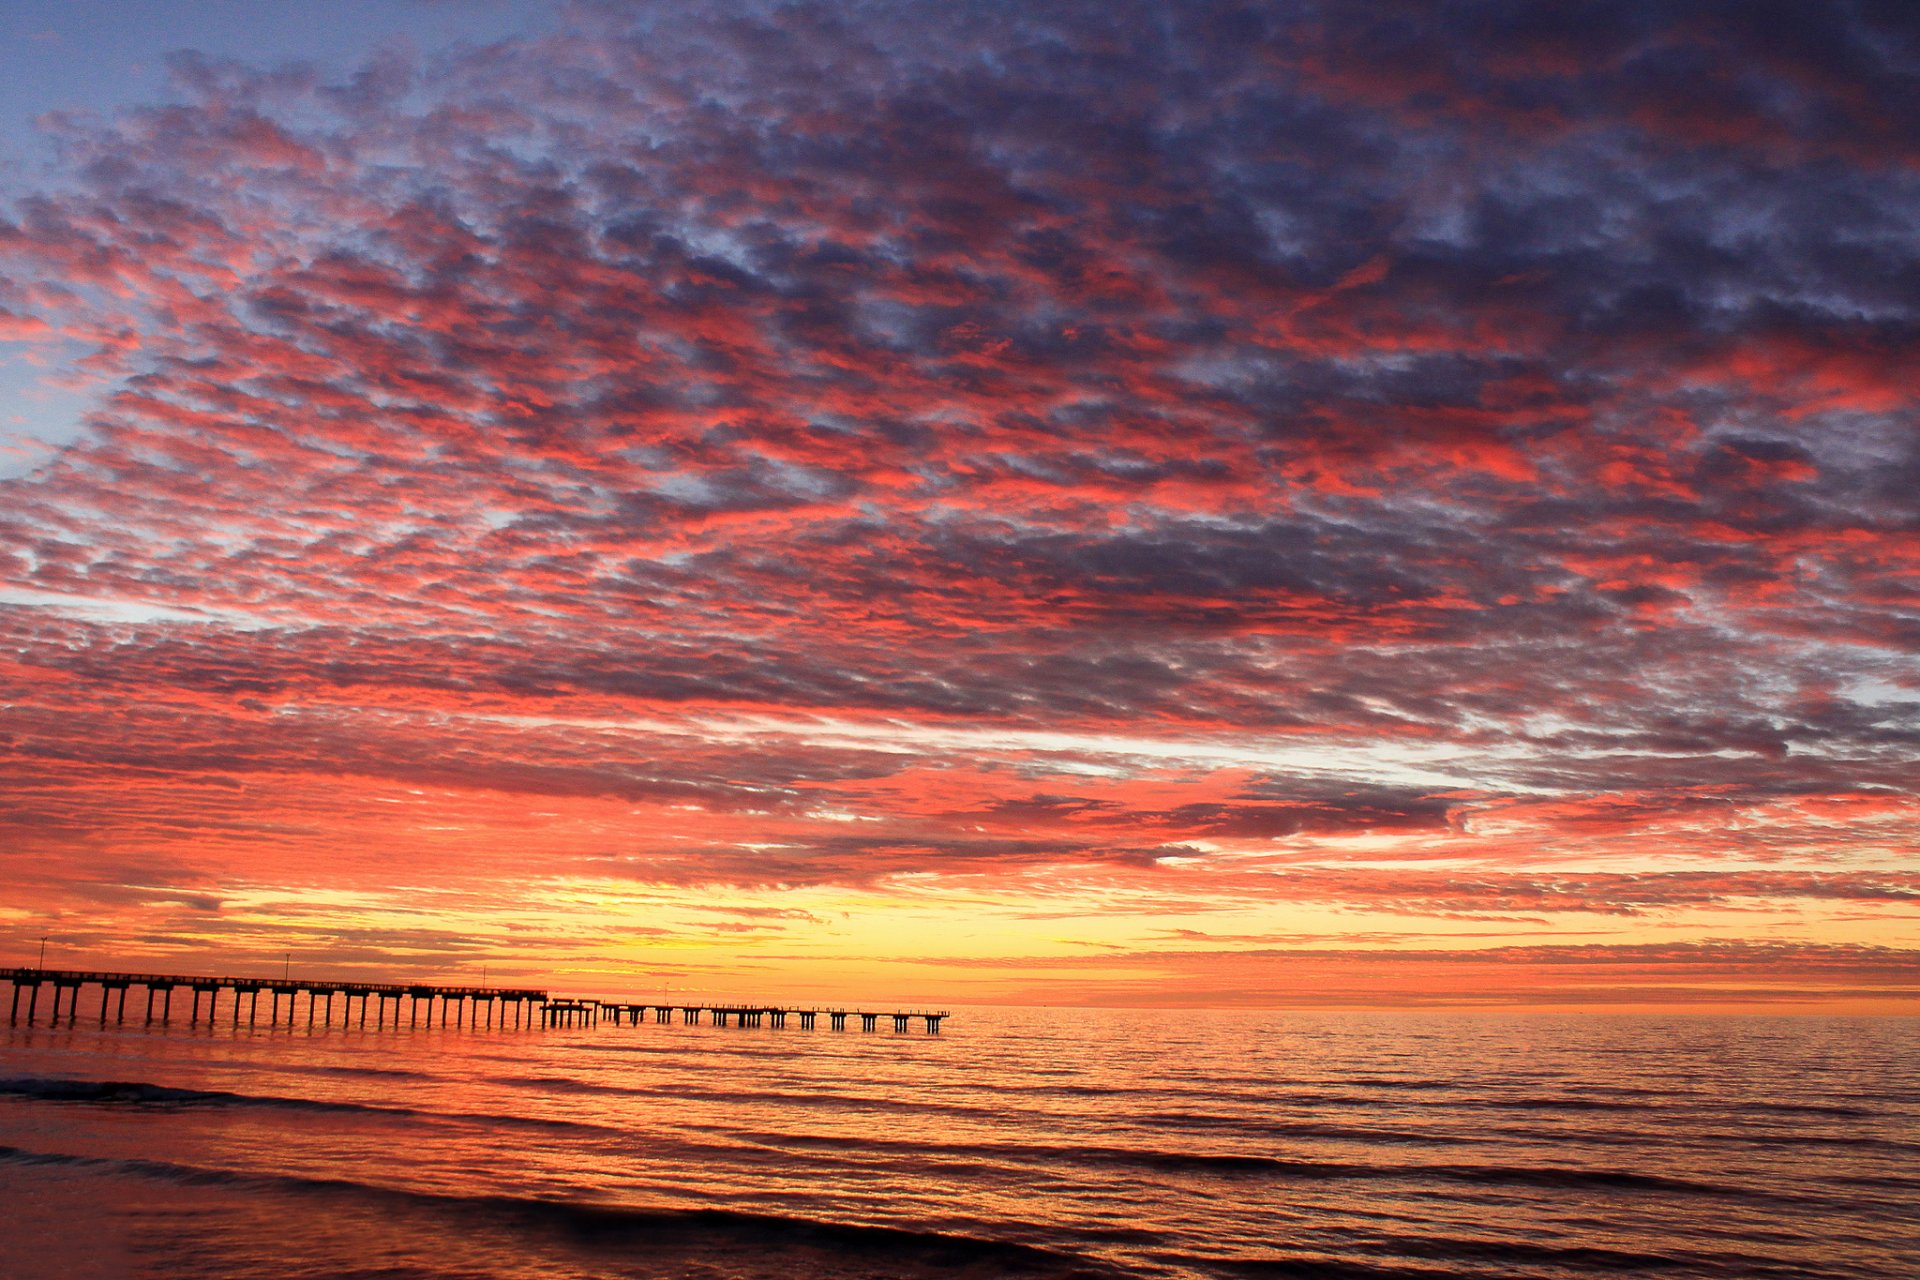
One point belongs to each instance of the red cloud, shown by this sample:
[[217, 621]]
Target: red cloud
[[860, 467]]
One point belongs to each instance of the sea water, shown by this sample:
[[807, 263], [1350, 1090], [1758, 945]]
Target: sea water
[[1044, 1142]]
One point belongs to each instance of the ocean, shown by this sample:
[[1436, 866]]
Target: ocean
[[1019, 1142]]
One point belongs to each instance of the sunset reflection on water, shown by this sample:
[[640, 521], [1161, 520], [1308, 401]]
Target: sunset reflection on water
[[1054, 1140]]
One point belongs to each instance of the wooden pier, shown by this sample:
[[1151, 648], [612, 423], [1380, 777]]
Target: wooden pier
[[756, 1015], [459, 1006]]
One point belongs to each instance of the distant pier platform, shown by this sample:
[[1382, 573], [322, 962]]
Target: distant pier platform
[[458, 1006], [752, 1015]]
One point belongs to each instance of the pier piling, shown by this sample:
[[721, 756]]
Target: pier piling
[[530, 1008]]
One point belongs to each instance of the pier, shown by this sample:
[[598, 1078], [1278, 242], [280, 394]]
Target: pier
[[457, 1005], [460, 1007], [757, 1015]]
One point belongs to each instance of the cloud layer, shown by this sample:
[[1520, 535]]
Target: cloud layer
[[1305, 464]]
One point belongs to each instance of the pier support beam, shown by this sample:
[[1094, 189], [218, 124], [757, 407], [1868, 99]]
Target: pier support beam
[[867, 1021]]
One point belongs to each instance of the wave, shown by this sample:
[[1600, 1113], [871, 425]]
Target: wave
[[384, 1073], [138, 1092], [1553, 1102], [1523, 1253], [1807, 1109], [608, 1225], [818, 1099], [1542, 1176], [143, 1094], [1262, 1128], [1508, 1259], [1329, 1269], [1250, 1164]]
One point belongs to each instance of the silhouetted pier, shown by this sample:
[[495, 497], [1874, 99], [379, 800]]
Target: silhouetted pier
[[756, 1015], [459, 1006]]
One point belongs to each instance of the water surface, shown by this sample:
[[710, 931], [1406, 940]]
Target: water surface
[[1017, 1142]]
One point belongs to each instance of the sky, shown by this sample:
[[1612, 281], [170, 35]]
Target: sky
[[1348, 504]]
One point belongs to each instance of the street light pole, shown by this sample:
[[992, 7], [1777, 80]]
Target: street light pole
[[43, 951]]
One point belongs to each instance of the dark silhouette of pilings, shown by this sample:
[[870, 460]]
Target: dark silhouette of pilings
[[68, 983], [479, 1007], [571, 1013]]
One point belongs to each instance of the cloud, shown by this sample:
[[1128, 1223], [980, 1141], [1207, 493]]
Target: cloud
[[1490, 438]]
